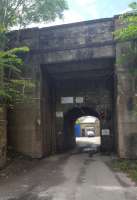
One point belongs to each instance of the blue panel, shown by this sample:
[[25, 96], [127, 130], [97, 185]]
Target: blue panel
[[77, 130]]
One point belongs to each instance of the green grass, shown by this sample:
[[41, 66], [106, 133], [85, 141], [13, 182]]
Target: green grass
[[127, 166]]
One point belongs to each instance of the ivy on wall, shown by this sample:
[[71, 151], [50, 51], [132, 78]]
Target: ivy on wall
[[127, 33]]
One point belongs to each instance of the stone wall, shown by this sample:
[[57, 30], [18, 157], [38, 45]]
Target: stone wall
[[3, 136], [24, 129], [52, 47], [126, 103], [78, 41], [48, 107], [99, 99]]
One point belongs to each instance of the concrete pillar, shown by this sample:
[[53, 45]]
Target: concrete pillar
[[125, 108], [24, 120]]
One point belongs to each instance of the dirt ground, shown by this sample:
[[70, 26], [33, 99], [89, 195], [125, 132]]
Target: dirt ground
[[70, 176]]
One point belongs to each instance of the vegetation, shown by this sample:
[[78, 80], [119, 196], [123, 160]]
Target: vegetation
[[128, 32], [10, 66], [127, 166], [10, 63], [20, 13], [24, 12], [129, 24]]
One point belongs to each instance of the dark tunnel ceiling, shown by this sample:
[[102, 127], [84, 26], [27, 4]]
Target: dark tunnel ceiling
[[75, 113], [91, 69]]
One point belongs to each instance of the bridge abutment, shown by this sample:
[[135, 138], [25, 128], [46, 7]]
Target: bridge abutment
[[76, 62]]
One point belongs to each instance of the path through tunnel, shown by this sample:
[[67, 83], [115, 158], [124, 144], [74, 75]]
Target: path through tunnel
[[71, 90], [70, 118], [73, 75]]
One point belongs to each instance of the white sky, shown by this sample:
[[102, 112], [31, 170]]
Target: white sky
[[82, 10], [87, 119]]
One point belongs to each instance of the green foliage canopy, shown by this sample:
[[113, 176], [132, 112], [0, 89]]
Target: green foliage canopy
[[24, 12], [9, 59], [10, 62], [128, 32], [128, 57], [21, 13], [129, 23]]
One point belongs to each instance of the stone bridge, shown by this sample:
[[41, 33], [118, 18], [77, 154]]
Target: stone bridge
[[74, 70]]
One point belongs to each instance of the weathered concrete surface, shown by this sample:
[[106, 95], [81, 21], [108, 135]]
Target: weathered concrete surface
[[98, 97], [67, 177], [70, 55], [125, 103], [3, 136], [92, 42], [23, 136], [93, 39]]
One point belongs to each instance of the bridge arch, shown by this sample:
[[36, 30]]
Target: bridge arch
[[70, 118], [80, 65]]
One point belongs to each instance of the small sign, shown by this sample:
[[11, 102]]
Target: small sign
[[79, 100], [67, 100], [59, 114], [105, 132]]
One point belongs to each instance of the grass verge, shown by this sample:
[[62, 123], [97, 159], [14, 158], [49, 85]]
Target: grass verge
[[127, 166]]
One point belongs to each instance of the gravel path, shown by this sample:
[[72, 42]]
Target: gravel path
[[65, 177]]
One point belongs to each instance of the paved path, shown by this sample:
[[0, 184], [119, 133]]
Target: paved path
[[68, 177]]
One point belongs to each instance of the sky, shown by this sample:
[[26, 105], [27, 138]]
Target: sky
[[94, 9], [82, 10], [87, 119]]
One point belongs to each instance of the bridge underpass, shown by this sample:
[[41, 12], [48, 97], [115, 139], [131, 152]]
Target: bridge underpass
[[82, 142], [74, 73], [73, 68], [88, 88]]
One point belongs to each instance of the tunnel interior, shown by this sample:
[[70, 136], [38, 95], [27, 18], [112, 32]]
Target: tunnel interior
[[87, 134], [69, 123], [91, 82]]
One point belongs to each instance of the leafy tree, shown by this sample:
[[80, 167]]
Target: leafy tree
[[21, 13], [11, 63], [24, 12], [129, 23], [129, 32], [128, 57]]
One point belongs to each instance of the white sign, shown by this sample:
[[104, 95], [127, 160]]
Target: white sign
[[67, 100], [79, 100], [59, 114], [105, 132]]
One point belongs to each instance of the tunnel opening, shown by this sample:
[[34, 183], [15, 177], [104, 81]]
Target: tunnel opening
[[87, 133], [71, 90], [74, 120]]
